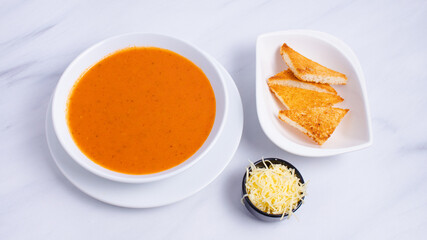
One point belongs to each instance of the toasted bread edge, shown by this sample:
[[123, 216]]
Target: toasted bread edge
[[311, 77], [294, 124]]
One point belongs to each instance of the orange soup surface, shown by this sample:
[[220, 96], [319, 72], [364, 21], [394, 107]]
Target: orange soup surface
[[141, 110]]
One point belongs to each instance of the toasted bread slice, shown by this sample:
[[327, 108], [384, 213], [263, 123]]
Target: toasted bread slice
[[297, 98], [317, 123], [308, 70], [287, 78]]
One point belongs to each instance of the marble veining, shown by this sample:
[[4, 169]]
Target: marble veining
[[376, 193]]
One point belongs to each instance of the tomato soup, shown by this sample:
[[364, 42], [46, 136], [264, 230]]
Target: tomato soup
[[141, 110]]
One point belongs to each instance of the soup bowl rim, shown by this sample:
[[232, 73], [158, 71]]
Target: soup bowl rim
[[61, 127]]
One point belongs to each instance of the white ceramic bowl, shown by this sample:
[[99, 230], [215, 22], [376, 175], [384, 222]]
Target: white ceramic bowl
[[97, 52], [354, 131]]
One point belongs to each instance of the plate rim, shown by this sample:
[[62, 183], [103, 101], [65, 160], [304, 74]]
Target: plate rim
[[240, 115]]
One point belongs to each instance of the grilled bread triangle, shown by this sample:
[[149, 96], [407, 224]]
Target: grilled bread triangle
[[318, 123], [295, 94], [308, 70], [287, 78]]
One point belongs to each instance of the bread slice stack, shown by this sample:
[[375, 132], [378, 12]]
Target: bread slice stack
[[304, 89]]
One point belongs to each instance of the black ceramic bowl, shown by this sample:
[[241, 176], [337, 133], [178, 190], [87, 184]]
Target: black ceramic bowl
[[254, 210]]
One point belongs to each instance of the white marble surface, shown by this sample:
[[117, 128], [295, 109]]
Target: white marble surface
[[376, 193]]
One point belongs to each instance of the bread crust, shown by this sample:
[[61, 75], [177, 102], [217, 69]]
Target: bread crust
[[308, 70], [299, 98], [318, 123], [287, 78]]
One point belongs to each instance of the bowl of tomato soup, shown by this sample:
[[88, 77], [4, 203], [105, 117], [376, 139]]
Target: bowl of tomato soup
[[139, 107]]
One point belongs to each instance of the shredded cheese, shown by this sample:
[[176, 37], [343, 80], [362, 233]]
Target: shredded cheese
[[274, 189]]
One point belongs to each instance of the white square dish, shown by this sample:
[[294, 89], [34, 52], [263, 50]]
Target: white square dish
[[353, 133]]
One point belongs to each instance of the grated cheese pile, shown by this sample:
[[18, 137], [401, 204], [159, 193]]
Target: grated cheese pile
[[274, 189]]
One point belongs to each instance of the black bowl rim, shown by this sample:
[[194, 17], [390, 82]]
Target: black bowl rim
[[274, 161]]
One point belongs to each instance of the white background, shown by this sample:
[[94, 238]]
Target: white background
[[376, 193]]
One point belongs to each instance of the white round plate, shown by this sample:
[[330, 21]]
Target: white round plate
[[162, 192]]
